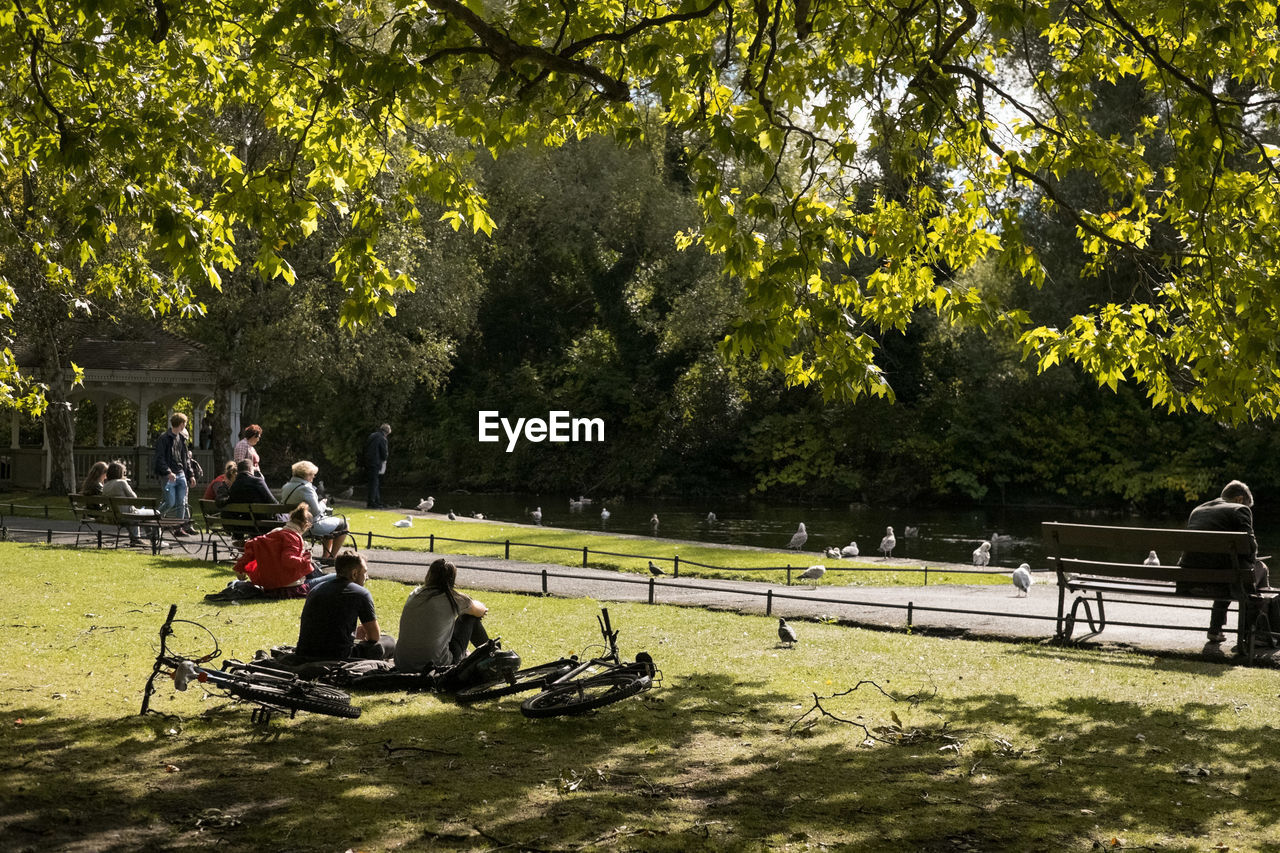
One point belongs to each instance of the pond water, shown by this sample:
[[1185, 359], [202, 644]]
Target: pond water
[[942, 535]]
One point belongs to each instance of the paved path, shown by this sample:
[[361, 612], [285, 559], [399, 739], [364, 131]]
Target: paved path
[[994, 611]]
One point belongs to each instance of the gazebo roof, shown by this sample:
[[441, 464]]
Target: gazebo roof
[[163, 352], [146, 349]]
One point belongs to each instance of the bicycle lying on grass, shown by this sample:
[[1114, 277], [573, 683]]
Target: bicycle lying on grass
[[272, 692], [572, 686]]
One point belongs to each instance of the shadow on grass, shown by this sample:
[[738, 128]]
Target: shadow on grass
[[708, 761]]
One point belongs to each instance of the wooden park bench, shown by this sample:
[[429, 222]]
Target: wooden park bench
[[92, 512], [144, 513], [1084, 557]]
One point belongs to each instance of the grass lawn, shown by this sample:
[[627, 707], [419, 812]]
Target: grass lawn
[[979, 746], [563, 546]]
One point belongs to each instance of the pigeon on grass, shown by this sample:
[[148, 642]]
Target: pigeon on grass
[[786, 633], [814, 573]]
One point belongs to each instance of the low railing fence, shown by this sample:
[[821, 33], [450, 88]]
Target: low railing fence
[[545, 576], [676, 562]]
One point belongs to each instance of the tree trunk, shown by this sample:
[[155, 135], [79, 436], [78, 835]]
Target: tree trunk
[[60, 427], [222, 444]]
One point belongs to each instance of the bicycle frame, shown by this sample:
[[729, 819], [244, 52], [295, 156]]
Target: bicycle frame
[[231, 678], [607, 661]]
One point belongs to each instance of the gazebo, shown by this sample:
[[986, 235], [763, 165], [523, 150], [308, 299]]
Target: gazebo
[[155, 367]]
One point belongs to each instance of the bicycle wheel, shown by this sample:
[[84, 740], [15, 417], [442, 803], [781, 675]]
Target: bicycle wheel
[[299, 697], [532, 678], [587, 694]]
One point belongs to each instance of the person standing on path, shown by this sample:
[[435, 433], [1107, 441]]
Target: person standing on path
[[376, 451], [246, 448], [173, 469]]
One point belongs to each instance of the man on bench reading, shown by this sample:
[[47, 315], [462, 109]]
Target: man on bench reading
[[1232, 512]]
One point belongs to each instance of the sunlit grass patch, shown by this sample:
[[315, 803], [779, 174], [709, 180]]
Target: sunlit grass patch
[[944, 744]]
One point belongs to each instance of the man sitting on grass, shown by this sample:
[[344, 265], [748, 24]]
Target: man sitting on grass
[[338, 619]]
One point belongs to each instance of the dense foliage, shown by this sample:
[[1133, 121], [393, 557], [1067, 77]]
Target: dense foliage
[[862, 188]]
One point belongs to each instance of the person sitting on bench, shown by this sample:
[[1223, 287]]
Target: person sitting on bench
[[331, 530], [338, 620], [280, 561], [1232, 512]]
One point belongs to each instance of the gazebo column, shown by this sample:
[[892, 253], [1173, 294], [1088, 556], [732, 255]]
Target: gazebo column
[[236, 401], [144, 401]]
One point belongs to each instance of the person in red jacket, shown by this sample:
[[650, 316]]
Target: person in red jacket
[[280, 561]]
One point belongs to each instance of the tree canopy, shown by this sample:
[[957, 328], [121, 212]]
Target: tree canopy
[[850, 162]]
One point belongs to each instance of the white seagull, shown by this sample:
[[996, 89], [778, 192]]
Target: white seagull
[[711, 518], [1022, 578], [407, 521], [888, 543], [833, 552], [537, 515], [982, 554], [604, 513], [850, 550], [653, 522], [814, 573], [426, 504], [798, 538], [452, 517], [1152, 560]]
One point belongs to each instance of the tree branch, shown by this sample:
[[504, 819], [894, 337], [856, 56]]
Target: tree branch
[[507, 52]]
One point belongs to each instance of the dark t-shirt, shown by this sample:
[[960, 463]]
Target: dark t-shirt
[[333, 609]]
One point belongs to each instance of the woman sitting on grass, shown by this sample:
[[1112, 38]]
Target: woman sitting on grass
[[438, 622], [280, 561]]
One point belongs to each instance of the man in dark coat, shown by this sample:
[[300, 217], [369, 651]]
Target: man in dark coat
[[375, 463], [1231, 512], [173, 468]]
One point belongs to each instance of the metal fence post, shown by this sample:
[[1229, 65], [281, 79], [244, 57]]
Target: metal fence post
[[926, 574], [584, 556], [369, 545], [651, 590], [544, 581], [99, 540], [431, 545], [675, 566], [48, 537], [213, 550], [910, 607], [788, 574], [768, 603], [506, 554]]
